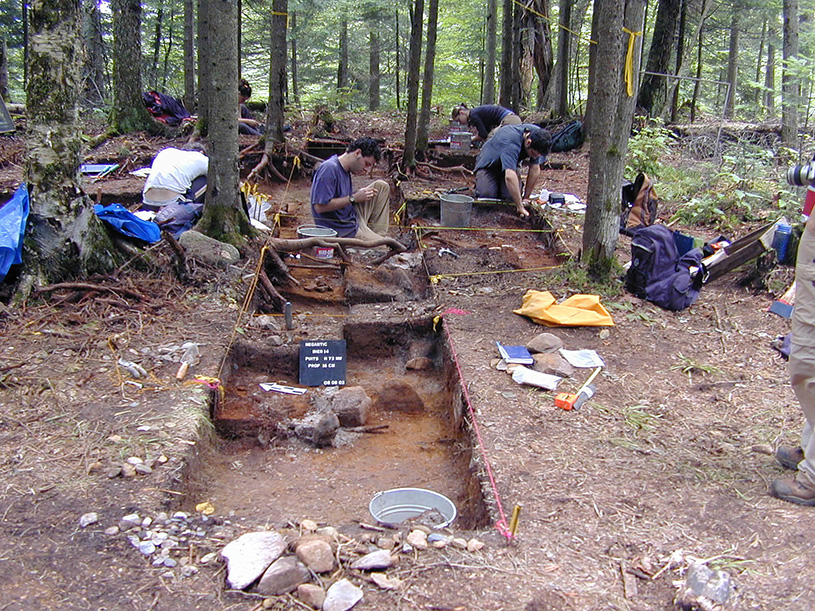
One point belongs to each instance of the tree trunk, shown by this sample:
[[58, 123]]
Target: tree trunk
[[223, 217], [4, 69], [93, 72], [543, 55], [759, 64], [398, 64], [374, 73], [518, 58], [189, 55], [342, 58], [609, 145], [588, 120], [277, 75], [564, 51], [153, 76], [427, 85], [790, 88], [295, 81], [488, 96], [64, 239], [680, 57], [732, 65], [128, 113], [168, 49], [507, 66], [697, 86], [203, 65], [652, 93], [769, 80], [416, 15]]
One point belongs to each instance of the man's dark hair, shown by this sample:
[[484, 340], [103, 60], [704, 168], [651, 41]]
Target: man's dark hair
[[540, 140], [368, 146], [244, 88], [457, 110]]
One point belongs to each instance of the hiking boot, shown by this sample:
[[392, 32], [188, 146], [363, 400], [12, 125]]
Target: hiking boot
[[789, 457], [791, 490]]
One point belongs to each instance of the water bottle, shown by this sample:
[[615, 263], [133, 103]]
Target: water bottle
[[781, 241]]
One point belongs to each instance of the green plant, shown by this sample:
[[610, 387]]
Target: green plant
[[637, 418], [689, 366], [646, 148]]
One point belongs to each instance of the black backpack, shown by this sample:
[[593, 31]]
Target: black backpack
[[569, 137], [659, 274]]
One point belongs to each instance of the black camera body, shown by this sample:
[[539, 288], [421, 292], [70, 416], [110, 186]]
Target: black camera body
[[802, 175]]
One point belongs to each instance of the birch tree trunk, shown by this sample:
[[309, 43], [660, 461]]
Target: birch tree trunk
[[64, 239]]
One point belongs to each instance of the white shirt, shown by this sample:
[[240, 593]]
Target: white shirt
[[172, 174]]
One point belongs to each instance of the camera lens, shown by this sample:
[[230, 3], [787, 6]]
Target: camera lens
[[801, 175]]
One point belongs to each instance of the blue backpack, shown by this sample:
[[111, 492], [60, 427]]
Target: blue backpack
[[659, 274], [569, 137]]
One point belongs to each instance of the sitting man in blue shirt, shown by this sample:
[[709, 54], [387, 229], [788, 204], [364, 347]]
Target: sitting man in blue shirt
[[361, 214], [497, 174]]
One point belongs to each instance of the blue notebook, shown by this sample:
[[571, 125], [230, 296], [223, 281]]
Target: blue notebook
[[515, 354]]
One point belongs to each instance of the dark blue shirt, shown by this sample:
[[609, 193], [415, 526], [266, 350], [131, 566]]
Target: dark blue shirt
[[331, 181], [506, 150], [485, 118]]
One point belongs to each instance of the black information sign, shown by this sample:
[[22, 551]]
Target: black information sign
[[6, 124], [322, 363]]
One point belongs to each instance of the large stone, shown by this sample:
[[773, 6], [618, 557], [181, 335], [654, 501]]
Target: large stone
[[545, 342], [341, 596], [316, 554], [284, 575], [553, 364], [248, 556], [318, 428], [209, 250], [399, 396], [351, 404], [375, 561], [311, 594]]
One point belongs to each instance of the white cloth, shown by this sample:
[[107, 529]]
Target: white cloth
[[175, 170]]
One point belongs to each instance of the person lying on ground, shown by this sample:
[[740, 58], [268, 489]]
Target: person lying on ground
[[497, 169], [485, 119], [247, 124], [361, 214], [176, 174]]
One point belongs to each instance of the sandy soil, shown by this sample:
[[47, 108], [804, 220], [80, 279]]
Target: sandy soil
[[670, 458]]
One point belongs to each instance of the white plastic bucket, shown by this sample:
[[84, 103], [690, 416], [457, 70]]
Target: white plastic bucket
[[391, 507], [316, 231], [455, 210]]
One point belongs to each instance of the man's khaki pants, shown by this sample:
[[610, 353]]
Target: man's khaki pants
[[374, 215]]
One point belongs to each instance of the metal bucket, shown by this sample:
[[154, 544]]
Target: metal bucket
[[455, 210], [391, 507], [316, 231]]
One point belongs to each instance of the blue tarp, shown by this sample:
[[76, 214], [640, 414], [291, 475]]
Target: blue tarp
[[13, 217], [127, 223]]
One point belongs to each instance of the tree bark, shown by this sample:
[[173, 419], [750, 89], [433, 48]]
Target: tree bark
[[680, 57], [223, 217], [295, 81], [4, 69], [732, 65], [488, 96], [790, 88], [374, 73], [93, 72], [769, 80], [609, 145], [129, 113], [189, 55], [203, 65], [416, 16], [64, 239], [277, 76], [427, 86], [507, 65], [153, 76], [342, 59], [652, 93]]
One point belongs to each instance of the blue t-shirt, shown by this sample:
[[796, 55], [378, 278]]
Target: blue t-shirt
[[331, 181], [505, 150]]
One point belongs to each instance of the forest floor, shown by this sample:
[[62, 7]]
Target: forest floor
[[667, 463]]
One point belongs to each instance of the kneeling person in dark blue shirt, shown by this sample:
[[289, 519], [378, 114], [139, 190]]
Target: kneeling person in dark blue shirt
[[497, 173]]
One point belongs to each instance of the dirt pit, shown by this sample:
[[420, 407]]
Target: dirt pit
[[410, 435]]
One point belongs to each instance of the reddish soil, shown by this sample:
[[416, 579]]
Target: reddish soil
[[669, 458]]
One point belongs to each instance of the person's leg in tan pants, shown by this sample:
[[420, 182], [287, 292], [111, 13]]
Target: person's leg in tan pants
[[374, 215]]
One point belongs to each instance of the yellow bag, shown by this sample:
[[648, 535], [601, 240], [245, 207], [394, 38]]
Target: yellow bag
[[576, 311]]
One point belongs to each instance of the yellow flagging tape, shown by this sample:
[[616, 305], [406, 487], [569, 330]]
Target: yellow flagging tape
[[629, 60], [397, 216]]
